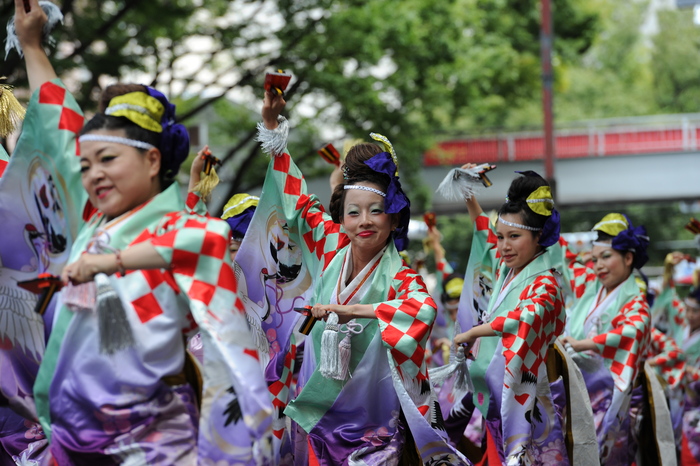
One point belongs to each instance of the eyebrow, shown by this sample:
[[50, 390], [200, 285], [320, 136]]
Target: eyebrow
[[99, 151]]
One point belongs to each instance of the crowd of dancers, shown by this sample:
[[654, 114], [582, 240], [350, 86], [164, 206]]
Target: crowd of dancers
[[288, 333]]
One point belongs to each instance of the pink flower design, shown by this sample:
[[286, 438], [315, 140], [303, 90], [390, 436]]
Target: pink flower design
[[114, 420], [552, 453], [34, 430], [377, 437]]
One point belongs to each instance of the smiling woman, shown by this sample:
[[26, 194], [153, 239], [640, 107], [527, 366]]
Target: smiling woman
[[362, 395], [608, 330], [510, 339], [112, 386]]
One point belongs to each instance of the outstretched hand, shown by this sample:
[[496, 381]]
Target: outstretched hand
[[29, 25], [273, 105], [197, 168]]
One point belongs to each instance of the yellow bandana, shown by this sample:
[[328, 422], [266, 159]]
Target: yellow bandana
[[612, 224], [540, 201], [140, 108], [453, 288], [238, 204]]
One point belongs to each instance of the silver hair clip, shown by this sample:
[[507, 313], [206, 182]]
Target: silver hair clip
[[117, 140], [517, 225], [364, 188]]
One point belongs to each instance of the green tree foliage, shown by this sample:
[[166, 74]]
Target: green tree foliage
[[405, 68]]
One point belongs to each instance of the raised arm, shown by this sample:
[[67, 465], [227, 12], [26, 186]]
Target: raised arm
[[29, 26]]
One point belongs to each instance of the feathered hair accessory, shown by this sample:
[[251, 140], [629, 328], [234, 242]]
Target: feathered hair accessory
[[53, 15]]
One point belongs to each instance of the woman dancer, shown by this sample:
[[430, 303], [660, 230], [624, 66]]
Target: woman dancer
[[111, 387], [609, 321], [363, 396], [510, 338]]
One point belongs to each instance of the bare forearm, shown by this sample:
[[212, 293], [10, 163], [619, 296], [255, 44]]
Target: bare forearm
[[473, 208], [39, 68]]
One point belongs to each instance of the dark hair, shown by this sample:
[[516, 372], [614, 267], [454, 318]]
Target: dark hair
[[132, 130], [602, 236], [516, 202], [356, 171]]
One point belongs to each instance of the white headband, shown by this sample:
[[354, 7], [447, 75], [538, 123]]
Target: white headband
[[116, 139], [517, 225], [364, 188]]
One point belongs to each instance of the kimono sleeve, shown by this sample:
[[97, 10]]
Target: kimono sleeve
[[309, 224], [49, 132], [666, 358], [195, 204], [623, 347], [484, 248], [405, 321], [529, 329], [577, 275], [196, 248]]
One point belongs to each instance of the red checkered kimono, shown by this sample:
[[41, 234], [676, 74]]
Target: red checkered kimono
[[512, 391], [366, 416], [621, 329]]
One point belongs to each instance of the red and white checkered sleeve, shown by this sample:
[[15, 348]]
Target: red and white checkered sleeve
[[196, 248], [195, 204], [406, 320], [624, 346], [51, 125], [316, 233], [529, 329], [578, 276], [666, 357], [445, 269]]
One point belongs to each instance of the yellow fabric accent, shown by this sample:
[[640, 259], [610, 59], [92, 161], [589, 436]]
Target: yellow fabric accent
[[238, 204], [453, 288], [349, 144], [207, 184], [147, 116], [388, 147], [540, 201], [640, 283], [612, 224], [404, 256]]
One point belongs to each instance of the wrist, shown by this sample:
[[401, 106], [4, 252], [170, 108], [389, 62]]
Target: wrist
[[271, 124]]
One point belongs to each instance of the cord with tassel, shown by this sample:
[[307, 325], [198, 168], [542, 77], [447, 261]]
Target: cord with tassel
[[11, 111], [458, 369], [330, 359], [210, 179], [114, 328]]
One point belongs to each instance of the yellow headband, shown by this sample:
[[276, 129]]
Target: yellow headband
[[453, 288], [541, 201], [140, 108], [239, 204], [388, 148], [612, 224]]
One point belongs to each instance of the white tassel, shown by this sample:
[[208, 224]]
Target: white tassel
[[329, 366], [344, 352], [456, 368], [460, 184], [114, 328], [54, 16], [274, 141]]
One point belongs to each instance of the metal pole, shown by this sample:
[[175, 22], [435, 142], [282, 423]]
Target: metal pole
[[546, 41]]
